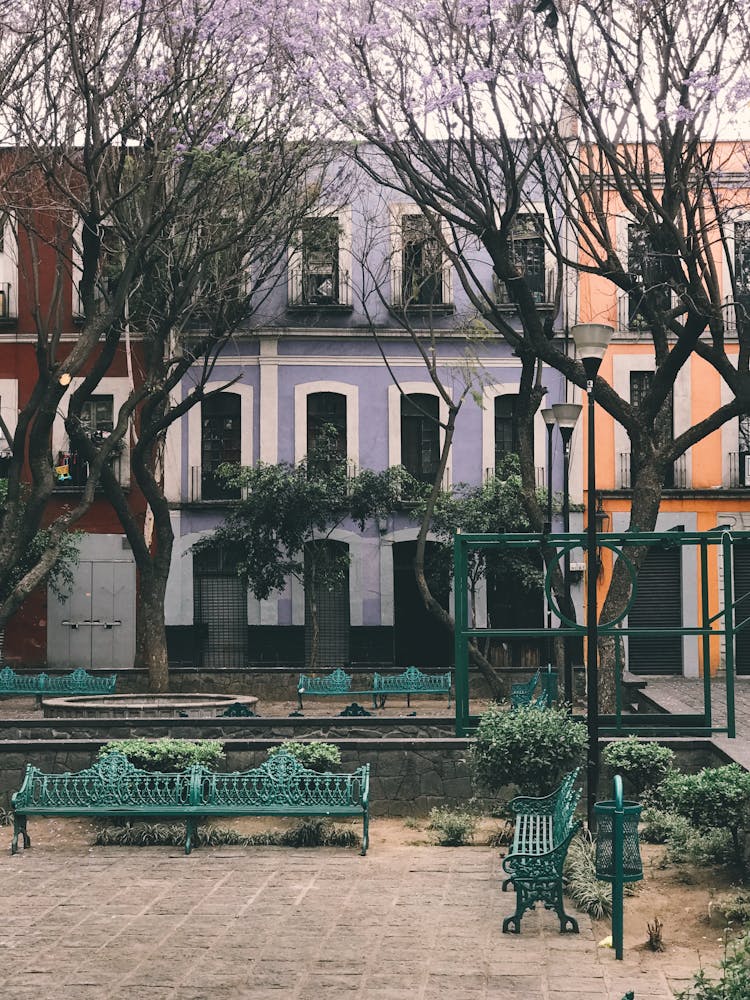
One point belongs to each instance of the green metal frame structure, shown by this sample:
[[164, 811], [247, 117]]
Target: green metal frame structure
[[721, 624]]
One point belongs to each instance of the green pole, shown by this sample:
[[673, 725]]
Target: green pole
[[618, 683], [705, 615], [726, 548], [617, 858], [461, 648]]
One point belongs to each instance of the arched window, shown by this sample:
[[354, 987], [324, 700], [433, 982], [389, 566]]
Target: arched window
[[327, 409]]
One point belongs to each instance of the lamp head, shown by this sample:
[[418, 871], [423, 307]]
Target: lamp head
[[548, 416], [592, 339], [566, 414]]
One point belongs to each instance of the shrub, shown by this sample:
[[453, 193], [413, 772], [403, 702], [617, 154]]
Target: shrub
[[315, 756], [528, 748], [734, 909], [167, 754], [589, 894], [658, 825], [643, 765], [451, 827], [716, 797], [734, 982], [308, 833]]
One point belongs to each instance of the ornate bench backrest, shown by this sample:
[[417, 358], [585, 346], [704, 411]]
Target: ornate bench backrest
[[112, 781], [339, 682], [22, 683], [80, 681], [412, 678], [283, 781]]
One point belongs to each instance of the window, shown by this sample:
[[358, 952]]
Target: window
[[422, 263], [640, 384], [317, 276], [221, 433], [97, 420], [527, 247], [506, 431], [420, 436], [327, 409], [649, 268]]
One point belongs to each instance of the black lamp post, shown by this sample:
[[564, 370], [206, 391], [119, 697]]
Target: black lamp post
[[548, 416], [591, 340], [549, 419], [566, 415]]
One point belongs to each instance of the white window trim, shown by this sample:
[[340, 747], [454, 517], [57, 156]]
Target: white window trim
[[344, 215], [622, 366], [116, 387], [394, 423], [9, 404], [396, 213], [489, 394], [9, 264], [735, 216], [194, 452], [730, 430], [304, 389]]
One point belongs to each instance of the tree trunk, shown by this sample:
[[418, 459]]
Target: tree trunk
[[644, 512], [153, 633]]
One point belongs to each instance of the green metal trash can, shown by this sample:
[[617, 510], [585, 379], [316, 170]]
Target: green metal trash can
[[632, 866]]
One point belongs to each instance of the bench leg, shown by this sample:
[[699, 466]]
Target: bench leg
[[548, 893], [19, 827], [191, 832], [365, 832], [300, 706]]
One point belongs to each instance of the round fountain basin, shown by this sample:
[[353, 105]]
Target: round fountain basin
[[150, 706]]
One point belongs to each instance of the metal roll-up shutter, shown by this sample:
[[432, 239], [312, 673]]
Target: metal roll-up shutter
[[220, 605], [658, 605], [741, 559]]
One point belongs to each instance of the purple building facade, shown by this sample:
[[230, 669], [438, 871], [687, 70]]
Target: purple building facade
[[362, 280]]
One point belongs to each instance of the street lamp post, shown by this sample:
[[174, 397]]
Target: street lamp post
[[566, 415], [549, 419], [591, 340]]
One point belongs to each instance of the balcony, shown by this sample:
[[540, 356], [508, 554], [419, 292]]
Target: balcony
[[542, 286], [739, 469], [676, 481], [325, 292], [540, 476], [72, 472], [205, 486]]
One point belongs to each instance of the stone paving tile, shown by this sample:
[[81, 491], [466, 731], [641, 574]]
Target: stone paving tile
[[130, 924]]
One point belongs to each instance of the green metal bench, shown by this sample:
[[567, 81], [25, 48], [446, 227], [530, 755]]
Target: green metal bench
[[114, 787], [521, 694], [411, 681], [543, 831], [336, 683], [79, 681]]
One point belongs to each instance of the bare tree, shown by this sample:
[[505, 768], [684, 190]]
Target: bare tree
[[169, 146], [579, 113]]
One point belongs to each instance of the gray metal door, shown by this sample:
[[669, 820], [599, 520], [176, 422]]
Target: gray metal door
[[95, 625], [658, 604]]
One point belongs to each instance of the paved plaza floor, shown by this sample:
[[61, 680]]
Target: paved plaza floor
[[404, 923]]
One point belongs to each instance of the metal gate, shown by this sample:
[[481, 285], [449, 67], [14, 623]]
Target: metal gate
[[333, 617], [658, 605], [220, 603], [741, 561]]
